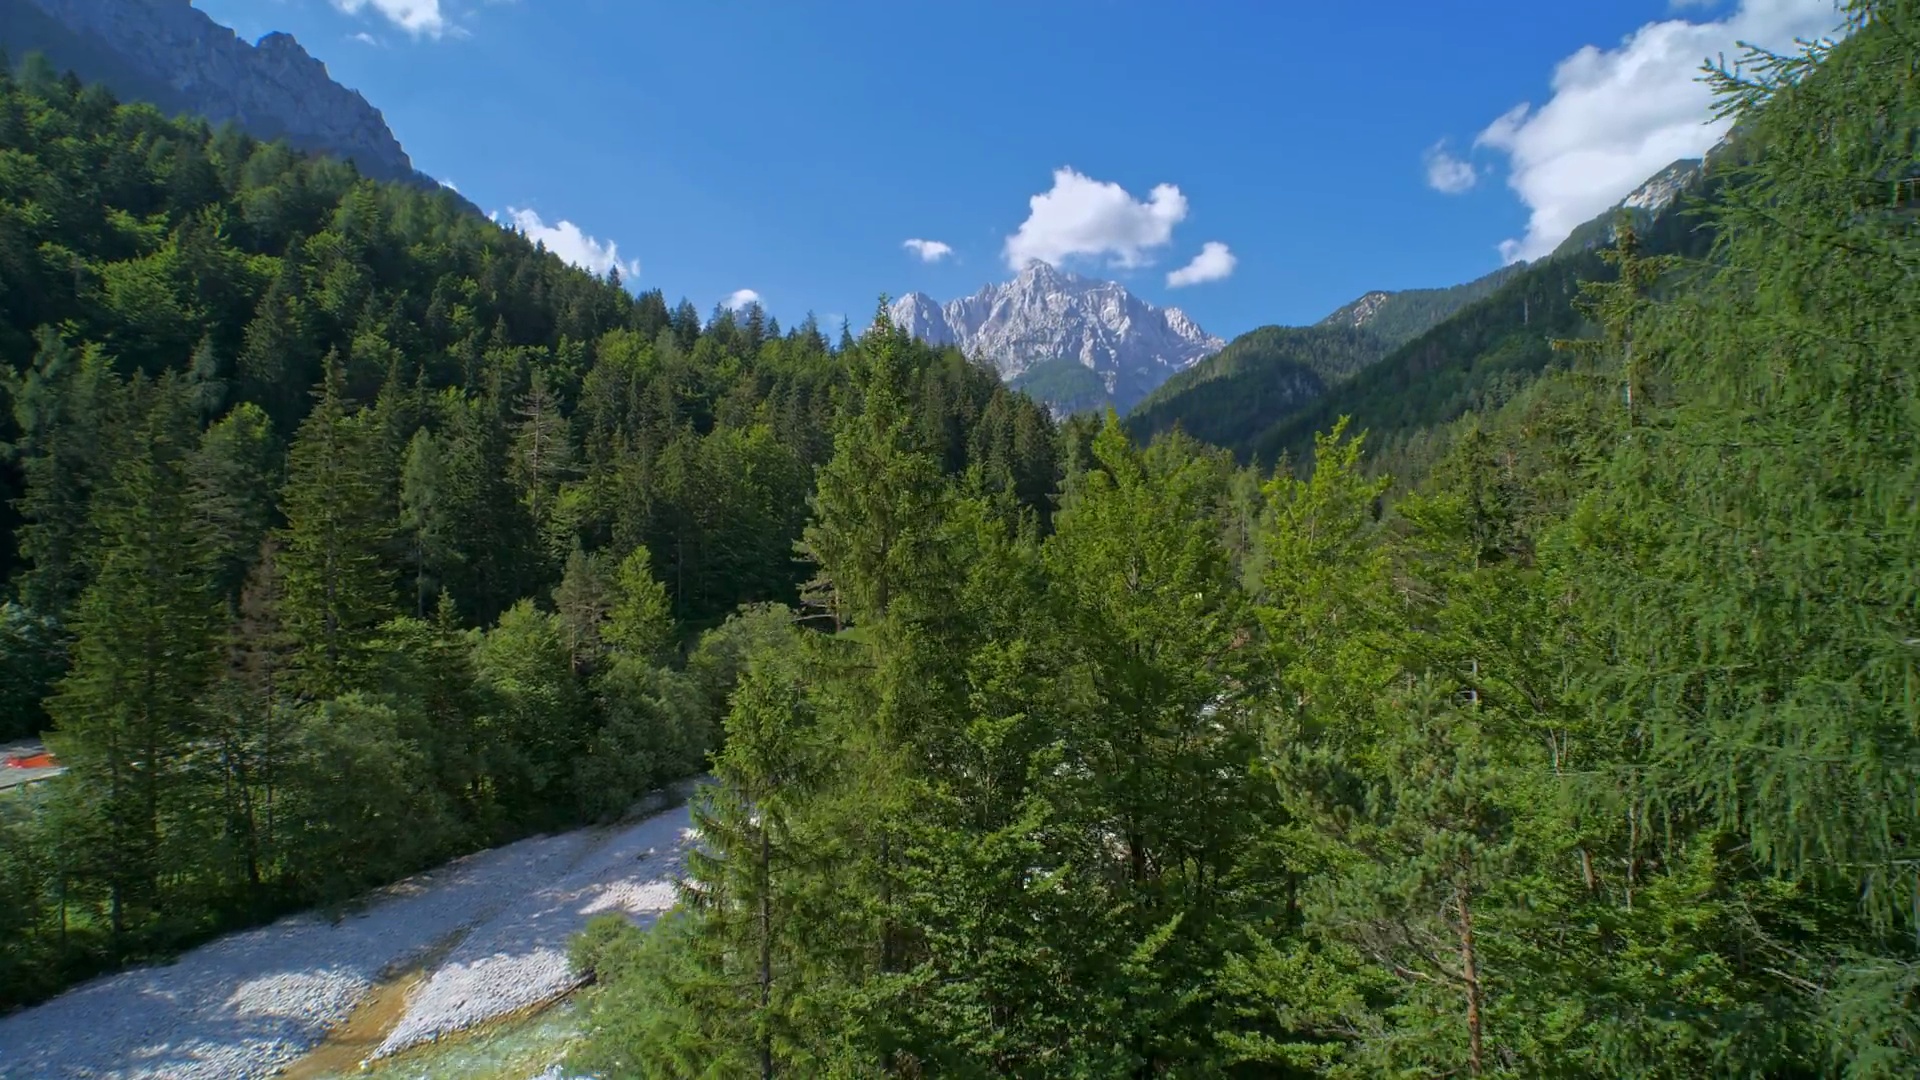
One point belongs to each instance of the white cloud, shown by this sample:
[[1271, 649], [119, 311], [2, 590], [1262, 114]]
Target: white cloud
[[448, 184], [421, 18], [1081, 216], [740, 298], [566, 240], [928, 250], [365, 38], [1447, 174], [1214, 263], [1617, 116]]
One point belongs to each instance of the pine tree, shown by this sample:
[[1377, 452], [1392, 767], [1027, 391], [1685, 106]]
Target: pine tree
[[584, 599], [875, 506], [143, 652], [1735, 565], [431, 551], [278, 357], [543, 451], [337, 591], [63, 406], [761, 772], [638, 619], [250, 716], [234, 474], [492, 563], [1619, 307]]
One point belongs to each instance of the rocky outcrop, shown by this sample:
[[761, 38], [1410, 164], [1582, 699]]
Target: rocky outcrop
[[1045, 315], [170, 50]]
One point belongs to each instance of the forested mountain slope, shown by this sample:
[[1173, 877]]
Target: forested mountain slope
[[1482, 356], [1438, 354], [1593, 757], [347, 530], [1254, 400], [1395, 317], [1275, 371], [171, 55], [1272, 371]]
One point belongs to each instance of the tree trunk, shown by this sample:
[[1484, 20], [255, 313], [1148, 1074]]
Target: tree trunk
[[766, 949], [1470, 974], [887, 957]]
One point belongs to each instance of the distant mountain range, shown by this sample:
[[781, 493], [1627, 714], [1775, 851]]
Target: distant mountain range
[[1079, 343], [1072, 341], [1273, 371], [1403, 365], [1075, 342], [174, 56]]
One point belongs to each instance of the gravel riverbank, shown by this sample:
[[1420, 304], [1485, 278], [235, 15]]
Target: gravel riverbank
[[246, 1004]]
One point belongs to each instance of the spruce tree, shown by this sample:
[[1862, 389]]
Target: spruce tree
[[337, 590], [430, 550], [543, 453], [234, 480], [144, 650], [735, 884], [250, 716], [1161, 738], [63, 406]]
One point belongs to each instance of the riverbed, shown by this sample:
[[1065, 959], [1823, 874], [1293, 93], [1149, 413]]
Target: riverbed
[[459, 947]]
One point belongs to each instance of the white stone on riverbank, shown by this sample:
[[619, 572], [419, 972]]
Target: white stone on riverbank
[[518, 959], [247, 1004]]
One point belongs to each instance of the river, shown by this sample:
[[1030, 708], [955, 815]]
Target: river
[[459, 948]]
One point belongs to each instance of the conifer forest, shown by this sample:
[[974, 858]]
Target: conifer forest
[[345, 532]]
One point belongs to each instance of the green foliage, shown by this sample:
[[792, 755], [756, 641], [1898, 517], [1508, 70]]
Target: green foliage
[[1064, 383], [144, 634], [1591, 752], [638, 621], [362, 817], [337, 587], [257, 408], [1398, 317], [1230, 397], [31, 661]]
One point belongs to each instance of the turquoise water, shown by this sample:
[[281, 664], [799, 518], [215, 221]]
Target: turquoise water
[[517, 1049]]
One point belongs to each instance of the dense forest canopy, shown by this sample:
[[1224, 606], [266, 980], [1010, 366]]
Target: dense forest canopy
[[347, 530], [1593, 755], [1036, 752]]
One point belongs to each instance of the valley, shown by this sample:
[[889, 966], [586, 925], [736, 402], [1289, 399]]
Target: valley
[[427, 649]]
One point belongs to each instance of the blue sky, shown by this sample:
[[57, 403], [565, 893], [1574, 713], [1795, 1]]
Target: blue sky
[[1305, 153]]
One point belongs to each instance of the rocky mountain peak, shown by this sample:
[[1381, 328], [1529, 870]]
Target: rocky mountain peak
[[1660, 189], [1040, 273], [1361, 311], [1048, 317], [174, 55]]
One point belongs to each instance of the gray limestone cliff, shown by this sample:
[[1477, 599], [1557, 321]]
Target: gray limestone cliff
[[1070, 340], [171, 54]]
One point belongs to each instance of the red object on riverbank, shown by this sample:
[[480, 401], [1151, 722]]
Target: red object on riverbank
[[41, 760]]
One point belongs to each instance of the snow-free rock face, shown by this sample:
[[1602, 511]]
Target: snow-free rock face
[[1663, 187], [271, 90], [1045, 315], [1643, 203], [1360, 312]]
